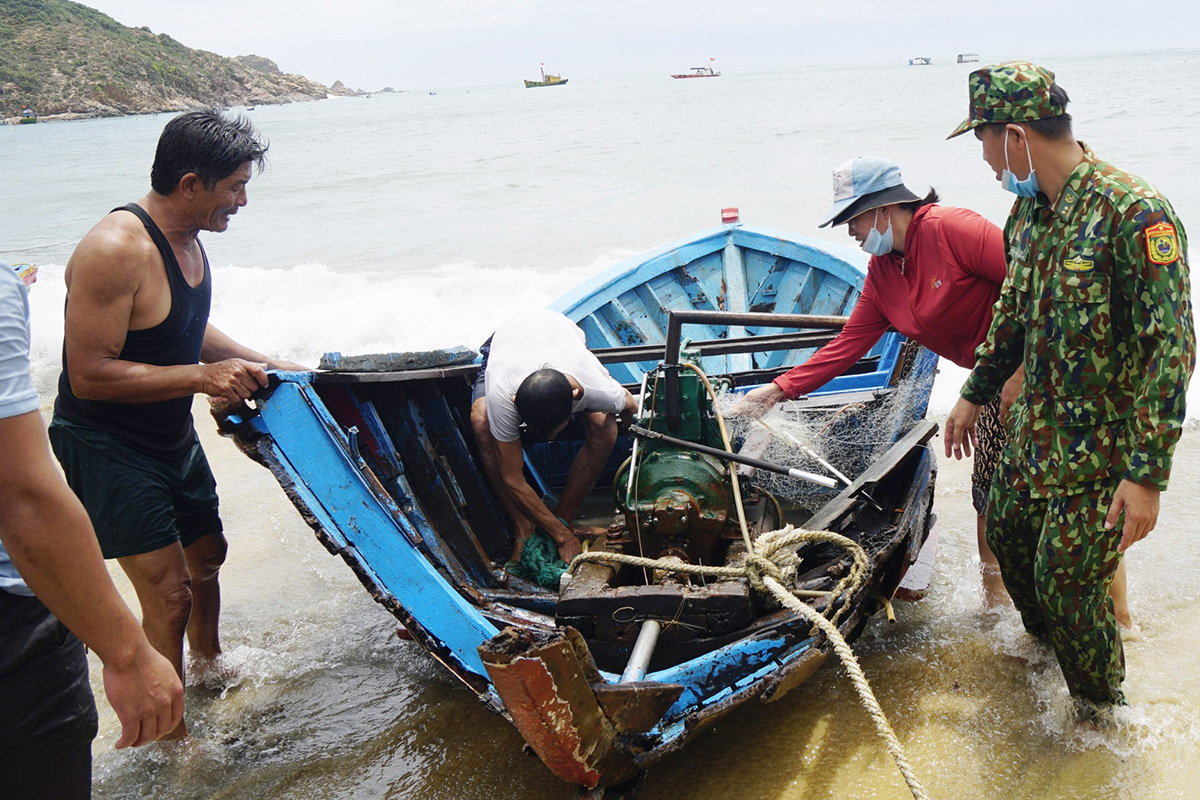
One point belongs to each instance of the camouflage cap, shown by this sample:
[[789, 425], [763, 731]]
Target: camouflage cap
[[1015, 91]]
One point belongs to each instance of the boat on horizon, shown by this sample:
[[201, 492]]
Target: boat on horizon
[[624, 662], [547, 80], [968, 58], [920, 61], [700, 72]]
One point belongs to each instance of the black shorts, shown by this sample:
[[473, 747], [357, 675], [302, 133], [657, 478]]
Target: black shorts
[[47, 714], [479, 388], [137, 503]]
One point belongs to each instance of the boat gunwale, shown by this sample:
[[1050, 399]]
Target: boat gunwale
[[843, 263]]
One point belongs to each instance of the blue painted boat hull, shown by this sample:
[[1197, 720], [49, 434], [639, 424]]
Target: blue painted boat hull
[[382, 465]]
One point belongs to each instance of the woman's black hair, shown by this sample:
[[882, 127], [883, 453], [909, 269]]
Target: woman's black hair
[[927, 200]]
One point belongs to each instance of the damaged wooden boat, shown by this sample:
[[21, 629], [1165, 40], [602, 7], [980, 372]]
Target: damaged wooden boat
[[626, 660]]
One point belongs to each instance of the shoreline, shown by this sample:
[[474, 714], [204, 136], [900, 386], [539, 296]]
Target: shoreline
[[71, 116]]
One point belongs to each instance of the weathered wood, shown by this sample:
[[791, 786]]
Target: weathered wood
[[398, 362], [636, 707], [545, 678]]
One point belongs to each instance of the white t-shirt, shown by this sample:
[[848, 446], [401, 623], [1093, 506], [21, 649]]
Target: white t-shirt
[[528, 342], [17, 395]]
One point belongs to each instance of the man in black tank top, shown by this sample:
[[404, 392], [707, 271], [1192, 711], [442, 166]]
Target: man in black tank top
[[137, 347]]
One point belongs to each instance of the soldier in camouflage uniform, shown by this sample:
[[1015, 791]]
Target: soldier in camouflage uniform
[[1097, 308]]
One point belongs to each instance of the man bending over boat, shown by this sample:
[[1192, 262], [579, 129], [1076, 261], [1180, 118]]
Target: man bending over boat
[[137, 346], [537, 375]]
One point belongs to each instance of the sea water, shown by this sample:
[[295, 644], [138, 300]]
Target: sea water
[[408, 221]]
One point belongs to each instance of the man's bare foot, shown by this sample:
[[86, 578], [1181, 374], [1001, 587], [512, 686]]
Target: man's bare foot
[[211, 672], [590, 531]]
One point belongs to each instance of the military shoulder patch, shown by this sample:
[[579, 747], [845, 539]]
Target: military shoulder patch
[[1079, 264], [1162, 246]]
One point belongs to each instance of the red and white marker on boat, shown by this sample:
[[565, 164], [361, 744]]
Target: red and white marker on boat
[[729, 216]]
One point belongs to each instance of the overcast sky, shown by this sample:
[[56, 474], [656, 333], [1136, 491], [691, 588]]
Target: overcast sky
[[369, 44]]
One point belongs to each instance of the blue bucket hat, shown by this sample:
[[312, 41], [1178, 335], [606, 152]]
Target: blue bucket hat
[[864, 183]]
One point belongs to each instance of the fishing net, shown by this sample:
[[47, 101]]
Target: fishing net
[[848, 437], [539, 562]]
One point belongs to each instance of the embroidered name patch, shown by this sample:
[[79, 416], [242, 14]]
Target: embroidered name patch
[[1079, 264], [1162, 247]]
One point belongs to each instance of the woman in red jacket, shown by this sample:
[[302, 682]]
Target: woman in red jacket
[[934, 275]]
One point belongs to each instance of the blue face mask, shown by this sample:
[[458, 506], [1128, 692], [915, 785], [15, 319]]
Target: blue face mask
[[1026, 188], [876, 243]]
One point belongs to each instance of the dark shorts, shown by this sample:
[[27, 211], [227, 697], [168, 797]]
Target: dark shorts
[[137, 503], [479, 389], [991, 437], [47, 714]]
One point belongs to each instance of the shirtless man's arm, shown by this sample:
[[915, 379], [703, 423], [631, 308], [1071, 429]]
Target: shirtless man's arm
[[116, 283]]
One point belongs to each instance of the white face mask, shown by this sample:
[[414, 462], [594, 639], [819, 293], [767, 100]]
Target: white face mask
[[1026, 188], [876, 243]]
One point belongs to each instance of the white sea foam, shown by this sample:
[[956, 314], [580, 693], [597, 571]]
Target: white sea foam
[[301, 312]]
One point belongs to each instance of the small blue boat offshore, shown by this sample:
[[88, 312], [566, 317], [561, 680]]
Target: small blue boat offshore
[[642, 645]]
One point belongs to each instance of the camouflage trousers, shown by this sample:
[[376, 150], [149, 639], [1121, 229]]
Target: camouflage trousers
[[1057, 562]]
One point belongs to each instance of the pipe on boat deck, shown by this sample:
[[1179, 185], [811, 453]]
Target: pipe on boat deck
[[643, 651]]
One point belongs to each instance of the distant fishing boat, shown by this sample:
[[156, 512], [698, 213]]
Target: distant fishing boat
[[700, 72], [547, 80], [920, 61], [28, 116], [968, 58]]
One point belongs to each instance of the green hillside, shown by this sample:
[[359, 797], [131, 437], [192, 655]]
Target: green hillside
[[60, 57]]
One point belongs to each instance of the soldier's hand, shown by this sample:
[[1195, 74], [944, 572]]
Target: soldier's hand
[[1010, 392], [1139, 504], [960, 428], [233, 379]]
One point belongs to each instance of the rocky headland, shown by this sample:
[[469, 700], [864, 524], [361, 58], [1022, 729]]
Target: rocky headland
[[66, 60]]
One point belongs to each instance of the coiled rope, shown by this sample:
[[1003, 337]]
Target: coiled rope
[[771, 563], [768, 568]]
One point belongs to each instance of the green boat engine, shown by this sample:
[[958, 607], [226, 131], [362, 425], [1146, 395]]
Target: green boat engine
[[677, 502]]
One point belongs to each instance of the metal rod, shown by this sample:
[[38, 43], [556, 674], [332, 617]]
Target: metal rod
[[807, 451], [633, 456], [737, 458], [676, 320], [643, 650], [718, 347]]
